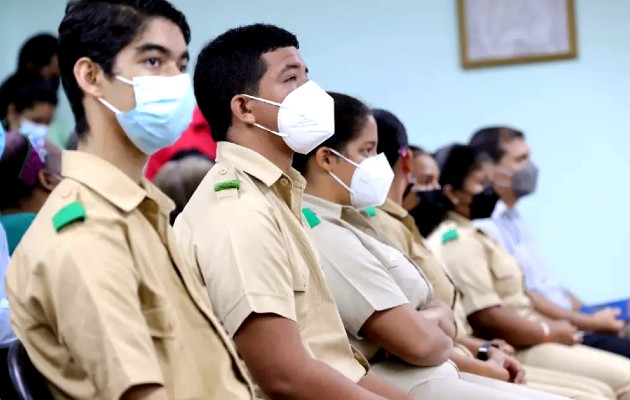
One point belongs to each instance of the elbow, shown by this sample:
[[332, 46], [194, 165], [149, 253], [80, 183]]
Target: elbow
[[280, 381]]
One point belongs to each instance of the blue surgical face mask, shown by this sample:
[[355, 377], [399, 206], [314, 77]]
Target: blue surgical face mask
[[3, 140], [164, 109]]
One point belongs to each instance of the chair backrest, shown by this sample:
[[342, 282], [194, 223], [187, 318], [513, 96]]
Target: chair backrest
[[27, 381]]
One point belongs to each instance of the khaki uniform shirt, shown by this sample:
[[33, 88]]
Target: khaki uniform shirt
[[243, 228], [103, 301], [365, 275], [485, 273], [403, 234]]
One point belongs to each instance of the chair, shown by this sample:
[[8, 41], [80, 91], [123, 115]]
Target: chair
[[27, 381]]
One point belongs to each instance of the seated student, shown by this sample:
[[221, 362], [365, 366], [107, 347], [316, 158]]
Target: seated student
[[514, 176], [31, 110], [243, 227], [180, 177], [28, 181], [401, 232], [101, 297], [424, 176], [493, 295], [387, 305]]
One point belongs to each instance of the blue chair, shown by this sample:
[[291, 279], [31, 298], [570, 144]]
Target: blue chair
[[29, 384]]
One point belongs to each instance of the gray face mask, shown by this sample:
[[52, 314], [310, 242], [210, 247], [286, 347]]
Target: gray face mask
[[525, 180]]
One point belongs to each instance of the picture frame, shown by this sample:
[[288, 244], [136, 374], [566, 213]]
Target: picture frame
[[506, 32]]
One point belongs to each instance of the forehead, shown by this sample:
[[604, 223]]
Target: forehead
[[515, 147], [425, 162], [163, 32], [277, 59]]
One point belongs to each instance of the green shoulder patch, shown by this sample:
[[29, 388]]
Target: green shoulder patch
[[231, 184], [449, 236], [70, 213], [370, 211], [312, 218]]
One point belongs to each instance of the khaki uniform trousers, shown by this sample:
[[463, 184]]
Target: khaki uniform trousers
[[444, 382], [611, 369], [567, 385]]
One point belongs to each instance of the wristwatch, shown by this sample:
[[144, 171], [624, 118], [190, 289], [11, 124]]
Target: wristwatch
[[484, 349]]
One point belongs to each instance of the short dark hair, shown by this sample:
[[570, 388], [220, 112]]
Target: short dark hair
[[232, 64], [37, 51], [99, 30], [456, 162], [392, 135], [490, 140], [350, 117], [28, 94], [418, 151]]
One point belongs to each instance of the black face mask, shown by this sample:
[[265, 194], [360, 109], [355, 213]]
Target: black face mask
[[483, 204], [429, 213]]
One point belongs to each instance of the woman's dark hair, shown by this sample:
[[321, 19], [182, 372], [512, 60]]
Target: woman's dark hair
[[37, 52], [350, 117], [99, 30], [418, 151], [14, 159], [456, 162]]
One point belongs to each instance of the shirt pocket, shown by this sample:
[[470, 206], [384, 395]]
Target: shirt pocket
[[160, 321]]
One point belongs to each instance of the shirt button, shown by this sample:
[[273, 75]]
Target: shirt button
[[223, 171], [284, 182], [369, 231]]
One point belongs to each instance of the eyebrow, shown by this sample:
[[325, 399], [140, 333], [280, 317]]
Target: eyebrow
[[289, 67], [159, 48]]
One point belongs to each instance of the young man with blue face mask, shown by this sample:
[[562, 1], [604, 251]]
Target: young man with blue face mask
[[243, 226], [100, 296], [515, 177]]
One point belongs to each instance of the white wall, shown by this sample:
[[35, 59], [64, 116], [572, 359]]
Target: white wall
[[403, 55]]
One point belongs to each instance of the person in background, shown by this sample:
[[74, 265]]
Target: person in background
[[243, 227], [180, 177], [101, 297], [514, 177], [197, 137], [37, 59], [28, 181], [490, 358], [386, 303], [424, 176], [493, 294], [31, 110]]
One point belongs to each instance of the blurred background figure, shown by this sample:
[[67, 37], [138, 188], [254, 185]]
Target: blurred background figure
[[26, 181], [180, 177], [197, 137]]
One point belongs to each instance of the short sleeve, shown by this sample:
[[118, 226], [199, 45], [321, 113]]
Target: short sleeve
[[246, 266], [92, 287], [358, 281], [466, 261]]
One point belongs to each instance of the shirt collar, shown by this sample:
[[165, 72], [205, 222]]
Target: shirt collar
[[256, 165], [460, 220], [394, 209], [323, 208], [501, 209], [110, 182]]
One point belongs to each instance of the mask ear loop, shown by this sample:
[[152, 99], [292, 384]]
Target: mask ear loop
[[335, 177], [107, 103], [273, 103]]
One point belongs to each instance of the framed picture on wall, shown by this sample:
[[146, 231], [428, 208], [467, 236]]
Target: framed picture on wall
[[502, 32]]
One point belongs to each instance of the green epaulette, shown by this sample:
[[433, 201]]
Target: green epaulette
[[370, 211], [69, 214], [231, 184], [311, 218], [450, 236]]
